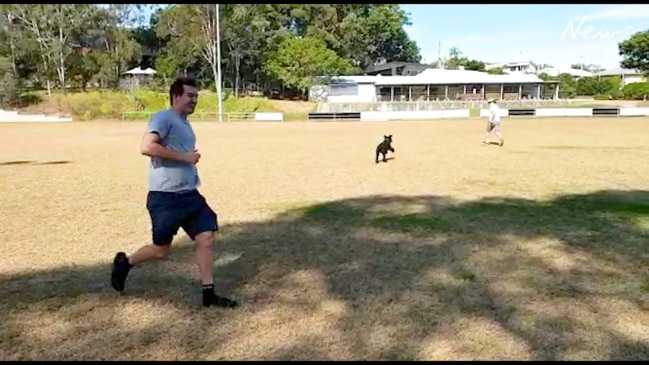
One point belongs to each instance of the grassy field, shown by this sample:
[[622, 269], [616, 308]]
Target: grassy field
[[535, 250]]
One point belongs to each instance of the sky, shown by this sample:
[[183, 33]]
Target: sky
[[558, 35]]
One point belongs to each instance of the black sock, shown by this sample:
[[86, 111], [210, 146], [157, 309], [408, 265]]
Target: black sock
[[209, 288]]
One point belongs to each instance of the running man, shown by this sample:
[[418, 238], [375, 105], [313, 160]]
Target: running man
[[173, 200]]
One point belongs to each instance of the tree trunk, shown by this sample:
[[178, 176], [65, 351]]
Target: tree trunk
[[61, 72], [237, 75], [61, 68], [217, 85], [13, 55]]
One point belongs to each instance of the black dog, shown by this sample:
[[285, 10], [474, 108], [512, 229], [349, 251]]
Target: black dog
[[383, 148]]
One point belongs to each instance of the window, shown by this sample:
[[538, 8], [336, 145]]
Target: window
[[343, 89], [510, 89]]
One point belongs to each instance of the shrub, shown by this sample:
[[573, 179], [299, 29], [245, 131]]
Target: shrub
[[636, 90]]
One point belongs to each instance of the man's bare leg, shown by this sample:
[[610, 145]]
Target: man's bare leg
[[194, 272], [149, 253], [122, 264], [205, 257], [500, 137], [486, 138], [205, 262]]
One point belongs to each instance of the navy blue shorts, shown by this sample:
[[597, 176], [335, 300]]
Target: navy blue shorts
[[187, 210]]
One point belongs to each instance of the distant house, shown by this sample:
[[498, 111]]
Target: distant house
[[433, 85], [574, 72], [513, 67], [628, 76], [397, 69]]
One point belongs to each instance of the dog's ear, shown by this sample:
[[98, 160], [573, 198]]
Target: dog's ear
[[384, 136], [390, 136]]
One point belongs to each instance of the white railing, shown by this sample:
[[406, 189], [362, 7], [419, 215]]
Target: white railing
[[197, 116], [436, 105]]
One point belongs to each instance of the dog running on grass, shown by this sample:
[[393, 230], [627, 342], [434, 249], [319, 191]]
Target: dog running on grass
[[383, 148]]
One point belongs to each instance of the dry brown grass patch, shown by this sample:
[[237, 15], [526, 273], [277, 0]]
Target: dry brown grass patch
[[536, 250]]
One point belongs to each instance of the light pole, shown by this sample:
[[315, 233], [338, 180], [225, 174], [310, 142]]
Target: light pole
[[218, 63]]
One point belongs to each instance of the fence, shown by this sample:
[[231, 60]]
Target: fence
[[213, 116], [393, 115], [570, 112], [436, 105], [465, 114], [380, 116]]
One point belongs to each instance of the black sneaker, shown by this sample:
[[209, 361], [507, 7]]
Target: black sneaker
[[121, 267], [213, 299]]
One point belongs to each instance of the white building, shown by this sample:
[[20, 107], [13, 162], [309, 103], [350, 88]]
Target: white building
[[554, 72], [433, 85], [513, 67], [627, 76]]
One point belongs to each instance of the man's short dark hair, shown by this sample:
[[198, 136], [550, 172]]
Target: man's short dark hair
[[177, 88]]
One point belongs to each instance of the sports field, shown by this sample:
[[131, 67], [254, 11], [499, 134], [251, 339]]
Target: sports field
[[451, 250]]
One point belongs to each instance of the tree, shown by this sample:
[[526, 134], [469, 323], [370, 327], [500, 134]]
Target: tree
[[297, 61], [635, 52], [53, 27], [456, 59], [496, 71], [9, 34], [9, 84], [587, 67], [567, 86], [83, 43], [592, 86], [119, 48], [192, 28], [243, 43], [373, 34]]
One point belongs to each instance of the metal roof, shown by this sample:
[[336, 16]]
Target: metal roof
[[618, 72], [451, 77], [356, 79], [443, 77], [552, 71]]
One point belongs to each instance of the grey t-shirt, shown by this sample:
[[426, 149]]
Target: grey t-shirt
[[176, 134]]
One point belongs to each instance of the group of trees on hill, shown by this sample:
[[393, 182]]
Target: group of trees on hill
[[63, 46], [74, 45]]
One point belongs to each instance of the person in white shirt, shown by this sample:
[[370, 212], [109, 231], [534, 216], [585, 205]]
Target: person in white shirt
[[493, 125]]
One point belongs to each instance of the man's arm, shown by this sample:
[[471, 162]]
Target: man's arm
[[156, 129], [151, 147]]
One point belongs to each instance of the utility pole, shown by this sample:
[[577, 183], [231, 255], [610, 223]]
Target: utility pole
[[218, 63]]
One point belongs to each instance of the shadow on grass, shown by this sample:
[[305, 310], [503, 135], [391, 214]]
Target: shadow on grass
[[10, 163], [387, 159], [380, 277]]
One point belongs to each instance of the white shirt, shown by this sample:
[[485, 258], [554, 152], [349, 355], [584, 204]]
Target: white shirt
[[494, 113]]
